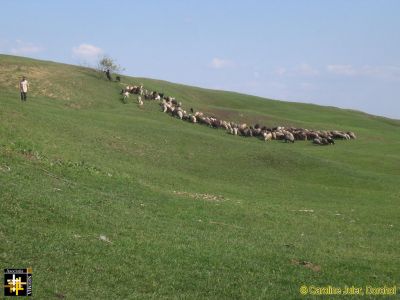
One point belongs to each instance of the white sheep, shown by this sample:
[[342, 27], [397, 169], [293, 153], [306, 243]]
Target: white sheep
[[179, 113], [267, 136], [164, 107], [192, 119]]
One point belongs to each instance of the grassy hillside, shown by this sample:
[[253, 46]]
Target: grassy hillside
[[106, 200]]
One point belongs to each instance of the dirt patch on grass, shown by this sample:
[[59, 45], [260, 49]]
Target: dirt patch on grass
[[306, 264], [73, 105], [199, 196]]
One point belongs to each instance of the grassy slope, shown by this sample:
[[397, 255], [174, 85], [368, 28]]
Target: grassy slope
[[75, 164]]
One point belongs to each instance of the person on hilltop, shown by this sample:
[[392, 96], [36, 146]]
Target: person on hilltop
[[23, 87], [108, 74]]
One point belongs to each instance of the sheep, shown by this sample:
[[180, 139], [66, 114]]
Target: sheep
[[192, 119], [207, 121], [279, 135], [126, 95], [170, 109], [288, 137], [351, 135], [242, 126], [312, 135], [340, 135], [164, 107], [331, 141], [300, 135], [198, 114], [225, 125], [247, 132], [324, 141], [323, 134], [289, 134], [317, 141], [256, 131], [267, 136], [186, 116], [179, 113]]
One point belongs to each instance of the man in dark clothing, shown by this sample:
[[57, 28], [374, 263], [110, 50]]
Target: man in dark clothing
[[108, 74]]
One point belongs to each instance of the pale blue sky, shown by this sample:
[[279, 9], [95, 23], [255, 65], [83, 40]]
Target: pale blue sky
[[339, 53]]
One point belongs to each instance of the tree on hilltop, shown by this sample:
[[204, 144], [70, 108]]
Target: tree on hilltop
[[108, 65]]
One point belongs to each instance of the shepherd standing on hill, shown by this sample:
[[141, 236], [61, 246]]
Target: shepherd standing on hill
[[23, 87], [108, 74]]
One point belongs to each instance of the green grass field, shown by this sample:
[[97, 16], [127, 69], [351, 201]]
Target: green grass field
[[185, 211]]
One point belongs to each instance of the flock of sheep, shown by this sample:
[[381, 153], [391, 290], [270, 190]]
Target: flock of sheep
[[174, 108]]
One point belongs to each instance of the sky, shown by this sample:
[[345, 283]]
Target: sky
[[343, 53]]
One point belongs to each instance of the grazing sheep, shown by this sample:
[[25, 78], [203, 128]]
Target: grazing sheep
[[186, 117], [247, 132], [331, 141], [324, 141], [299, 135], [243, 126], [164, 107], [339, 135], [312, 135], [352, 135], [192, 119], [198, 114], [207, 121], [179, 113], [126, 95], [288, 137], [257, 131], [225, 125], [289, 134], [323, 134], [170, 109], [267, 135], [279, 135], [317, 141]]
